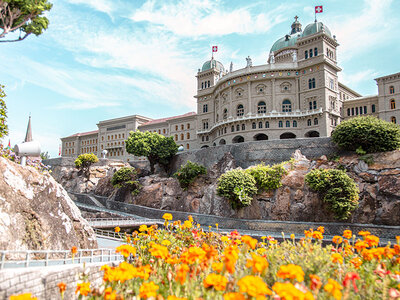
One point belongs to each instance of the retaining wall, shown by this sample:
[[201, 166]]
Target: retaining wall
[[42, 281]]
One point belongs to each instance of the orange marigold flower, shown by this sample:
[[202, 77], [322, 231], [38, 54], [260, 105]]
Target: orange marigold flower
[[167, 217], [287, 291], [308, 233], [181, 273], [148, 289], [83, 288], [334, 288], [315, 282], [347, 234], [217, 281], [171, 297], [291, 271], [248, 240], [126, 250], [187, 224], [26, 296], [109, 294], [192, 255], [357, 262], [359, 245], [337, 258], [254, 286], [143, 228], [234, 296], [372, 240], [217, 267], [258, 263], [337, 239], [317, 235], [62, 287], [230, 257], [321, 229], [364, 233], [159, 251], [74, 250], [117, 229]]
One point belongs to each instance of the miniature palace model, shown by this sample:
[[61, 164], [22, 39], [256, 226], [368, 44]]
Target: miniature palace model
[[295, 95]]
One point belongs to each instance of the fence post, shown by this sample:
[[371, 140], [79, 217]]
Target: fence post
[[3, 258], [46, 263], [28, 256], [65, 257]]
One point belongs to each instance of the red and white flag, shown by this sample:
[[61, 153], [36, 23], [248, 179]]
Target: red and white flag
[[214, 48], [318, 9], [59, 151]]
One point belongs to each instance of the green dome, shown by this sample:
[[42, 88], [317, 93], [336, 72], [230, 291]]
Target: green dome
[[209, 64], [286, 41], [314, 28]]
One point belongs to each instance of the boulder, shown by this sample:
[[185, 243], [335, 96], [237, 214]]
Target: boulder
[[37, 213]]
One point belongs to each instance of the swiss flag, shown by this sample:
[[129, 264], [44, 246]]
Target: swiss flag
[[318, 9], [214, 48]]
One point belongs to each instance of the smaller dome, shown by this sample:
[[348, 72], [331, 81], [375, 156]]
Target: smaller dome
[[286, 41], [210, 64], [314, 28]]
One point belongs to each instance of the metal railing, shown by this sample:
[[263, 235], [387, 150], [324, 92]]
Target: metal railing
[[107, 233], [111, 222], [44, 258]]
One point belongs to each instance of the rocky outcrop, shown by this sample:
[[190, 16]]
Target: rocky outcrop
[[379, 185], [37, 213]]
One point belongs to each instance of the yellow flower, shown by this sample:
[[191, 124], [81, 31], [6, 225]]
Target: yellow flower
[[234, 296], [254, 286], [291, 271], [364, 233], [357, 262], [166, 243], [258, 263], [148, 290], [159, 251], [249, 241], [187, 224], [261, 251], [334, 288], [171, 297], [347, 234], [126, 250], [216, 225], [117, 229], [292, 236], [27, 296], [217, 267], [143, 228], [287, 291], [336, 257], [217, 281], [83, 288], [224, 238], [167, 217]]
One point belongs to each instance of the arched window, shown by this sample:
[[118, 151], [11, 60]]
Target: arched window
[[225, 115], [315, 51], [188, 135], [233, 128], [202, 85], [311, 83], [311, 53], [253, 125], [316, 121], [266, 124], [348, 112], [294, 123], [314, 102], [306, 54], [187, 146], [243, 127], [393, 120], [182, 136], [260, 124], [286, 106], [392, 104], [216, 118], [176, 137], [237, 127], [225, 130], [205, 108], [310, 105], [280, 124], [373, 108], [287, 123], [261, 107], [209, 84], [240, 110], [391, 89]]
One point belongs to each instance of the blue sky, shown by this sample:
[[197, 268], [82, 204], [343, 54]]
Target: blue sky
[[103, 59]]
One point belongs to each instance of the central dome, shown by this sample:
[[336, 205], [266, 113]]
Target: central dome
[[286, 41], [210, 64]]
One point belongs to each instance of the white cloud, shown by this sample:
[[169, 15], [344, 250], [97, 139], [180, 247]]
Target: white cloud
[[105, 6], [354, 79], [196, 18]]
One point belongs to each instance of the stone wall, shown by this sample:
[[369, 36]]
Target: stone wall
[[42, 281], [252, 153]]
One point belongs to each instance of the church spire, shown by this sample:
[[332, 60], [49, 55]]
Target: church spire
[[28, 137], [296, 26]]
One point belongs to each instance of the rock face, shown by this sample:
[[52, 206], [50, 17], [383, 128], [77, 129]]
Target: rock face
[[37, 213]]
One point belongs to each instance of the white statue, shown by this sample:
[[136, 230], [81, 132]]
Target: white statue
[[249, 61], [231, 67], [272, 58], [294, 56], [104, 154]]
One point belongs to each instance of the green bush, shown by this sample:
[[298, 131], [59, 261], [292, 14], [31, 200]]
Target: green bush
[[337, 189], [267, 178], [188, 173], [126, 177], [369, 133], [237, 186], [84, 161]]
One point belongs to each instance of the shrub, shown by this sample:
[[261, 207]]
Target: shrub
[[337, 189], [126, 177], [84, 161], [237, 186], [188, 173], [267, 178], [369, 133]]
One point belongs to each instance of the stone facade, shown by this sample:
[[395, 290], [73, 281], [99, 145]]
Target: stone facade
[[295, 95]]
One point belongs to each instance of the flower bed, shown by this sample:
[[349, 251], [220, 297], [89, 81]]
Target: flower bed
[[184, 261]]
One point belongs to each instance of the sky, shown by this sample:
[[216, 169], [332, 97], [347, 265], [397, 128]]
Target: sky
[[104, 59]]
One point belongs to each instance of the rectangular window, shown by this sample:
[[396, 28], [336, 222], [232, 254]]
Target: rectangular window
[[315, 104], [348, 112], [352, 111], [311, 53], [205, 108], [373, 108], [356, 111], [365, 110]]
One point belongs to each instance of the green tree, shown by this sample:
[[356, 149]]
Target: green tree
[[45, 155], [157, 148], [3, 113], [24, 15], [84, 161], [126, 178]]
